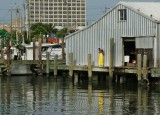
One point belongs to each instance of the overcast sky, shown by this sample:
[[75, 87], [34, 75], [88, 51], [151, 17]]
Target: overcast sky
[[95, 8]]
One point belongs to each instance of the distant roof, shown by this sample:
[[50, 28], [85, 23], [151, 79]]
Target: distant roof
[[147, 8]]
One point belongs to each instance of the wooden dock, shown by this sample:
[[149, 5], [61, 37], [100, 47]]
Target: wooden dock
[[140, 70]]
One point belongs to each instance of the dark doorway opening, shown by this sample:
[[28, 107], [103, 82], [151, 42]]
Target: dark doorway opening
[[130, 49]]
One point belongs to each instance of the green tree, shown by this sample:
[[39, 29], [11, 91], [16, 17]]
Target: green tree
[[61, 33], [42, 29]]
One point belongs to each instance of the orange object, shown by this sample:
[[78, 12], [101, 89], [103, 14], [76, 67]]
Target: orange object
[[53, 40]]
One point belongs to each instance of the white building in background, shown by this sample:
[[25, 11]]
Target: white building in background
[[60, 13]]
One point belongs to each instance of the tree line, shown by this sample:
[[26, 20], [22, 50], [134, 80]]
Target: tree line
[[37, 31]]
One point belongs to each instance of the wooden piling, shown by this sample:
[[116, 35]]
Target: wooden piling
[[96, 78], [1, 72], [70, 65], [89, 67], [40, 57], [34, 48], [47, 63], [70, 91], [139, 101], [90, 93], [139, 65], [158, 63], [63, 50], [8, 58], [145, 71], [2, 51], [2, 54], [75, 78], [55, 65], [111, 59]]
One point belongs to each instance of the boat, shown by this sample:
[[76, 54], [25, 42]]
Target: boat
[[14, 52], [53, 49]]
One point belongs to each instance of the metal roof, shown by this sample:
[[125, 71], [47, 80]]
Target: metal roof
[[151, 9]]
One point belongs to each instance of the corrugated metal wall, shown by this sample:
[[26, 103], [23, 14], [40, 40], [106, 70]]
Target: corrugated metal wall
[[157, 44], [144, 42], [98, 35]]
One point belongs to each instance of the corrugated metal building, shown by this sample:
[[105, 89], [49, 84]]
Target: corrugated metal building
[[134, 27]]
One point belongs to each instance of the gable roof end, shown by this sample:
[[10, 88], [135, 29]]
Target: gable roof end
[[150, 9]]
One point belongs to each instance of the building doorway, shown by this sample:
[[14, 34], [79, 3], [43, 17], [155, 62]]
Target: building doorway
[[129, 51]]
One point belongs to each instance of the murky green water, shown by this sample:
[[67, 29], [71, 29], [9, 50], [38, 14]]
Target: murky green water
[[26, 95]]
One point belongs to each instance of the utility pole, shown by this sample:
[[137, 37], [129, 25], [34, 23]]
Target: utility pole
[[11, 18], [19, 19], [29, 36]]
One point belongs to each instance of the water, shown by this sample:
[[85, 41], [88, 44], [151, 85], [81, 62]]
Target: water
[[27, 95]]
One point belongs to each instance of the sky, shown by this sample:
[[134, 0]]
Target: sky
[[95, 8]]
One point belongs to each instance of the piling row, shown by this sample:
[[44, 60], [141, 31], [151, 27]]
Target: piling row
[[141, 70]]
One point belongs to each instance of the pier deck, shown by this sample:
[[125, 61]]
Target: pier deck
[[141, 71]]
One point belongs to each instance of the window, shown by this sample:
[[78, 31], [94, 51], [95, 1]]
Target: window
[[122, 14]]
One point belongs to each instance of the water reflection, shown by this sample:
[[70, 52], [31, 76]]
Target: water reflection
[[48, 96]]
